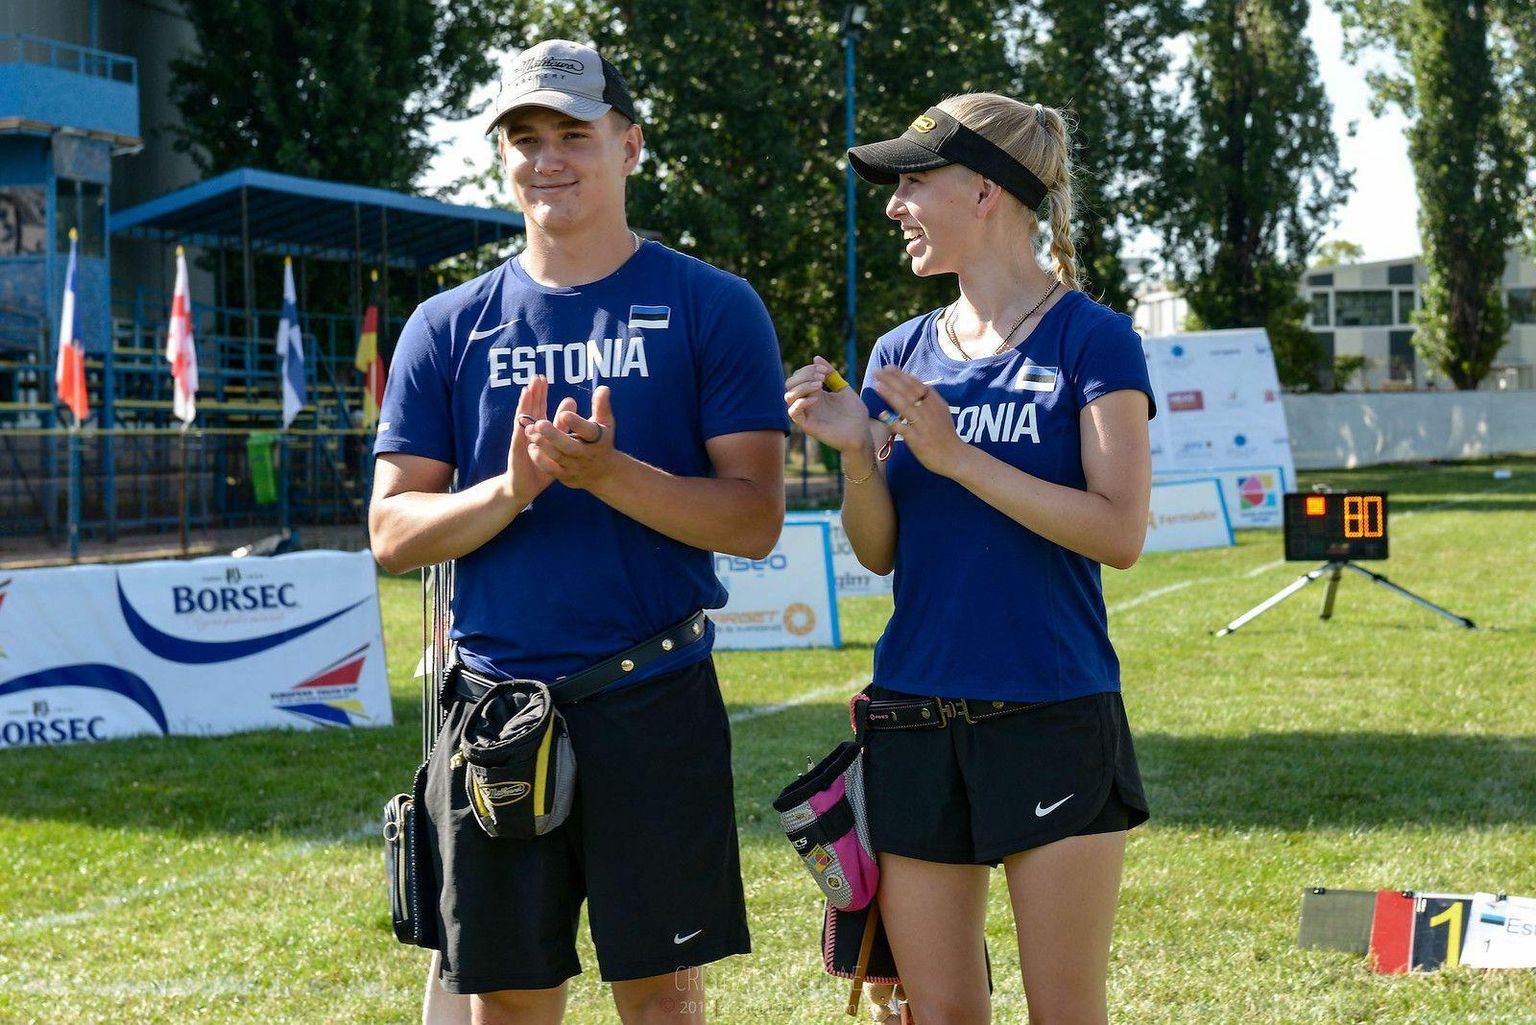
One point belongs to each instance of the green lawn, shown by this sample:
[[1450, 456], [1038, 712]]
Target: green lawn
[[239, 879]]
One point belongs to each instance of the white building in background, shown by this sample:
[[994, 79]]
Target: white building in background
[[1160, 310], [1365, 309]]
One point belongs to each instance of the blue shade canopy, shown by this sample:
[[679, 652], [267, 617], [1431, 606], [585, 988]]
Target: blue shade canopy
[[295, 216]]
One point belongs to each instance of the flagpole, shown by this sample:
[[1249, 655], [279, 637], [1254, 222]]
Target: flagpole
[[282, 404], [74, 491], [185, 529]]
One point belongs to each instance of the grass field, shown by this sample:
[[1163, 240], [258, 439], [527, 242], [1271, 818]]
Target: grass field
[[239, 879]]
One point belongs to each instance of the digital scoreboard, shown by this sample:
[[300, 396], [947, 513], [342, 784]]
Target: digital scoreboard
[[1335, 526]]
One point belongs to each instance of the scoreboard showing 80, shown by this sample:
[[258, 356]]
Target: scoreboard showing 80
[[1336, 526]]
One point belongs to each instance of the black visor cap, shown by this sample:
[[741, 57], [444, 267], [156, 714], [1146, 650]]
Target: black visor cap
[[936, 139]]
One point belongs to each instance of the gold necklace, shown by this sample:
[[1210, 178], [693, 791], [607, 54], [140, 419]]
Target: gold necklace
[[949, 324]]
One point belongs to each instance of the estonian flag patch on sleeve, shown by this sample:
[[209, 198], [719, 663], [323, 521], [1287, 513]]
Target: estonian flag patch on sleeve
[[650, 316], [1035, 378]]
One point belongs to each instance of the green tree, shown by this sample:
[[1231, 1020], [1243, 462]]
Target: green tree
[[1464, 83], [1338, 251], [335, 89], [1258, 178], [1103, 62], [742, 106]]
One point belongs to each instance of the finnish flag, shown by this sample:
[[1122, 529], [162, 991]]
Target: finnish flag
[[650, 316], [1035, 378]]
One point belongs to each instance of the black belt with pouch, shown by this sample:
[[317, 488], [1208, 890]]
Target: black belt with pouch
[[520, 773]]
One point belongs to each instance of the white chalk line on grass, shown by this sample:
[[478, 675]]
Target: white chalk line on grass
[[195, 988], [105, 905], [760, 711], [1160, 592]]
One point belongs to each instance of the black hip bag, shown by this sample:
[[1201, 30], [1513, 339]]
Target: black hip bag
[[520, 768]]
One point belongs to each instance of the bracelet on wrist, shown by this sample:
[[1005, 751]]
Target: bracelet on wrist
[[859, 480]]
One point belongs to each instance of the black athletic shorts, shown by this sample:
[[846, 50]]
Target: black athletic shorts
[[650, 843], [974, 794]]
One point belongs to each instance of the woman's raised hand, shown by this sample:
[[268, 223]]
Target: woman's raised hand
[[836, 418]]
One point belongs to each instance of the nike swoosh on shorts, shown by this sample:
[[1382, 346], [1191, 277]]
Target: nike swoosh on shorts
[[1043, 812]]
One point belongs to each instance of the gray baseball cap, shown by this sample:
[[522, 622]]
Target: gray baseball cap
[[563, 76]]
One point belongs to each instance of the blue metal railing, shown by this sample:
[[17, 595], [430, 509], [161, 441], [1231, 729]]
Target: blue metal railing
[[19, 48]]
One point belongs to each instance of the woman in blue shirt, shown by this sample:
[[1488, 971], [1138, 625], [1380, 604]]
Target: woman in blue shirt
[[999, 455]]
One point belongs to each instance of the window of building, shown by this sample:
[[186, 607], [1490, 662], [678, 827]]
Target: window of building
[[82, 205], [1522, 305], [1400, 274], [1321, 280], [1405, 307], [1324, 359], [23, 221], [1363, 309], [1320, 309], [1400, 356]]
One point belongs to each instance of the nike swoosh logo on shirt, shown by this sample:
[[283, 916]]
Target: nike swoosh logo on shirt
[[684, 939], [476, 335], [1043, 812]]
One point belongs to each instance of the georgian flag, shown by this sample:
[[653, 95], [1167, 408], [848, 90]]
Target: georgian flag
[[290, 350], [650, 316], [180, 348]]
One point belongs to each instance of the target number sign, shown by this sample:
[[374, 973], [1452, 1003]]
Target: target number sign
[[1338, 526]]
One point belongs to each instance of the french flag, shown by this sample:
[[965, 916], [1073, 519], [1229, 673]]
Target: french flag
[[69, 374], [650, 316]]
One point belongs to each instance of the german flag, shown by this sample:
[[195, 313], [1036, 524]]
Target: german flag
[[368, 362]]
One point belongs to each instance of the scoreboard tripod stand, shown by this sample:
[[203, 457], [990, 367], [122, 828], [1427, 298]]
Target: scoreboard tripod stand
[[1338, 527]]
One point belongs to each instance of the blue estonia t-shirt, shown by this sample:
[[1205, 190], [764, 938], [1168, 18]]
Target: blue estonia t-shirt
[[986, 608], [689, 353]]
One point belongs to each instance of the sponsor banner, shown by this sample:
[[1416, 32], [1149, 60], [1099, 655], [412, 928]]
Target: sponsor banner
[[1187, 514], [1253, 493], [784, 601], [1218, 400], [850, 577], [206, 646]]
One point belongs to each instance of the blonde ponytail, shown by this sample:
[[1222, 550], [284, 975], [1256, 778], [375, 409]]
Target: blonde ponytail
[[1039, 138]]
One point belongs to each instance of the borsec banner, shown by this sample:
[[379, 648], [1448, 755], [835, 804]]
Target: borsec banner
[[849, 575], [200, 647], [1218, 400], [1187, 514], [1253, 494], [784, 601]]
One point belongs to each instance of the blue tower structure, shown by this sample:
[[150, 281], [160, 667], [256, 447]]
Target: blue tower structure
[[65, 112]]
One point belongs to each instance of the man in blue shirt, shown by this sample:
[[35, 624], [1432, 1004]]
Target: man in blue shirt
[[613, 412]]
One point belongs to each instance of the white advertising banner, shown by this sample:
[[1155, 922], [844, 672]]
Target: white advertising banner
[[1254, 494], [206, 646], [1218, 402], [784, 601], [850, 577], [1187, 514]]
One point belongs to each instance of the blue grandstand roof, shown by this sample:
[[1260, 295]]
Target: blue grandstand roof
[[321, 219]]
